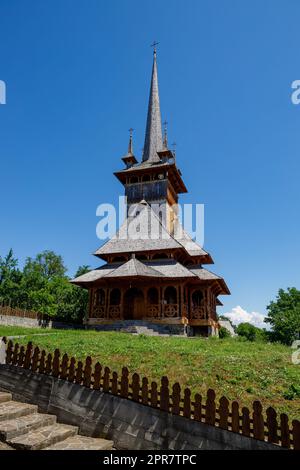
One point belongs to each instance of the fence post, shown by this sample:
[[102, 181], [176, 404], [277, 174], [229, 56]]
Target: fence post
[[164, 394], [284, 431], [41, 367], [78, 373], [15, 354], [64, 367], [272, 425], [48, 368], [97, 376], [296, 434], [224, 413], [175, 407], [106, 379], [27, 360], [114, 383], [55, 366], [21, 357], [35, 359], [124, 383], [235, 417], [154, 394], [87, 373], [187, 403], [258, 421], [245, 421], [198, 407], [210, 412], [136, 387], [145, 391]]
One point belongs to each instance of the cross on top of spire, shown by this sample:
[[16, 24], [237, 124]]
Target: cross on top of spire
[[155, 43]]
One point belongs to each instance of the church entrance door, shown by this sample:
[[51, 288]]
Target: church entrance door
[[134, 304]]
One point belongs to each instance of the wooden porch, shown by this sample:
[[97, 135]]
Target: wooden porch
[[166, 303]]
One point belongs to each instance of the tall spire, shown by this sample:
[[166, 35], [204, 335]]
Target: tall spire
[[153, 137], [130, 145]]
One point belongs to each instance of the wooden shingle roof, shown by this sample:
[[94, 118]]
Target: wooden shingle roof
[[133, 268], [144, 232]]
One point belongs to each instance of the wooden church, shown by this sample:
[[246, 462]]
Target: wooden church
[[154, 270]]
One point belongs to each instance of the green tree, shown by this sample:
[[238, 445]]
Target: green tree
[[43, 286], [47, 264], [36, 291], [250, 332], [72, 300], [284, 316], [10, 278]]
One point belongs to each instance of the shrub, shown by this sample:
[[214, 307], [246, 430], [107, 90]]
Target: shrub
[[250, 332], [224, 333]]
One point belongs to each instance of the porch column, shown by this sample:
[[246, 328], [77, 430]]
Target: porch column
[[182, 312], [88, 312], [122, 303], [106, 303], [162, 290], [190, 303]]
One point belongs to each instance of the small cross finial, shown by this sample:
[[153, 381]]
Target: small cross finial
[[130, 146], [154, 46]]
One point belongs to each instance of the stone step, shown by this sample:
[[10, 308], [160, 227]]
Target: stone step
[[16, 427], [142, 327], [82, 443], [13, 409], [4, 446], [43, 437], [5, 397]]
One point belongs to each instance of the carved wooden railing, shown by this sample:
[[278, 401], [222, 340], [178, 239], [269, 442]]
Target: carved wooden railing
[[171, 310], [198, 313], [153, 311], [256, 423], [114, 311], [99, 311]]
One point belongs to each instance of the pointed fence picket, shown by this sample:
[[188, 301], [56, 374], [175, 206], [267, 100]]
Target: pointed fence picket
[[255, 424]]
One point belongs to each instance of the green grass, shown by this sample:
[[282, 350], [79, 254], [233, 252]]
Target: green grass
[[240, 370]]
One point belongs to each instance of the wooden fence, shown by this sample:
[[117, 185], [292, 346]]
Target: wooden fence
[[264, 426], [22, 313]]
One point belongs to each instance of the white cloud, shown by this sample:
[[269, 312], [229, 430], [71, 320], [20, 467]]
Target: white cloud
[[239, 315]]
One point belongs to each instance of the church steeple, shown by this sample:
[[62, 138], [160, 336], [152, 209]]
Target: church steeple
[[130, 145], [153, 137], [129, 159]]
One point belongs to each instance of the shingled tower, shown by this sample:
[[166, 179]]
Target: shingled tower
[[154, 270]]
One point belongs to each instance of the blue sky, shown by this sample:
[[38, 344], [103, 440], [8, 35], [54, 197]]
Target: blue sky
[[77, 75]]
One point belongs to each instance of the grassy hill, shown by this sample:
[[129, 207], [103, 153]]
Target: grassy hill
[[240, 370]]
